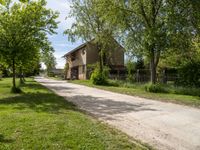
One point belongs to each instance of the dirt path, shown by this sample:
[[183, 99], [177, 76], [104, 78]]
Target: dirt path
[[165, 126]]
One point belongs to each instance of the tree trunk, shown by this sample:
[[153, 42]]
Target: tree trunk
[[21, 75], [14, 73], [153, 70], [100, 58]]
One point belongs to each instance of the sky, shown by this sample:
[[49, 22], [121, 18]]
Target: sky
[[59, 41]]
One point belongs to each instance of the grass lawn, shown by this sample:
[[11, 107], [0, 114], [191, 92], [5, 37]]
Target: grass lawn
[[38, 119], [139, 90]]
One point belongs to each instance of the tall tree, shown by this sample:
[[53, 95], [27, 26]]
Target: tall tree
[[150, 27], [23, 28], [89, 25]]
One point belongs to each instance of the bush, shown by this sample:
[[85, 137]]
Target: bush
[[100, 78], [155, 88], [187, 91], [189, 75]]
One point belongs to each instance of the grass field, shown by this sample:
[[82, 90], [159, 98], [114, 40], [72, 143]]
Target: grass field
[[139, 90], [38, 119]]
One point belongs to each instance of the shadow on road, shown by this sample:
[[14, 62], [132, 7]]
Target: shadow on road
[[106, 108]]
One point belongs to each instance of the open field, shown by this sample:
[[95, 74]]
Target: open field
[[39, 119]]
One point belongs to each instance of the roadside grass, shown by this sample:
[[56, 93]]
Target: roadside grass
[[39, 119], [178, 95]]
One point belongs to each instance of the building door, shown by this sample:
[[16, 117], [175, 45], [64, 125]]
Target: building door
[[74, 73]]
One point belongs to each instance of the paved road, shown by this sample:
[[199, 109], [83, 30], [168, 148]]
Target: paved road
[[165, 126]]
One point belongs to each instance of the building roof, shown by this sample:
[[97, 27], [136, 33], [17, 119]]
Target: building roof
[[83, 45], [76, 49]]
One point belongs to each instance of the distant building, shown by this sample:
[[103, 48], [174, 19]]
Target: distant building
[[87, 54], [57, 72]]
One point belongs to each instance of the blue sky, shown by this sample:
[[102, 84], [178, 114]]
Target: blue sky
[[59, 41]]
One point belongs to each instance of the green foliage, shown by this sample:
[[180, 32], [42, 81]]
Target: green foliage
[[155, 88], [1, 74], [187, 91], [189, 75], [149, 28], [100, 78], [130, 68], [49, 60], [175, 94], [23, 32], [89, 26]]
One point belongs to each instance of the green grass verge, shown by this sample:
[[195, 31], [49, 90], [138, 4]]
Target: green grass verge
[[39, 119], [139, 90]]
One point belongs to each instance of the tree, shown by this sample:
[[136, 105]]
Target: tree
[[49, 61], [23, 30], [151, 27], [88, 25]]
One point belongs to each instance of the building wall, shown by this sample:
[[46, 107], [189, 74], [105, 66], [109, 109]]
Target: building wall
[[92, 54], [80, 61], [80, 58], [82, 72], [117, 56]]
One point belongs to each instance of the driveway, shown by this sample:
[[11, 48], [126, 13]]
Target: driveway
[[164, 126]]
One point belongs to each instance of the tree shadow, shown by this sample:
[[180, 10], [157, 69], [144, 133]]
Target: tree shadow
[[101, 107], [5, 140], [32, 86], [39, 102], [106, 108]]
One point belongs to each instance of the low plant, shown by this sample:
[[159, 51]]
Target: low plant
[[98, 77], [155, 88], [189, 75], [187, 91]]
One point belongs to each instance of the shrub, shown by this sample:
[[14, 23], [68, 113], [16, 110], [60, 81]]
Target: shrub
[[100, 78], [189, 75], [187, 91], [155, 88]]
